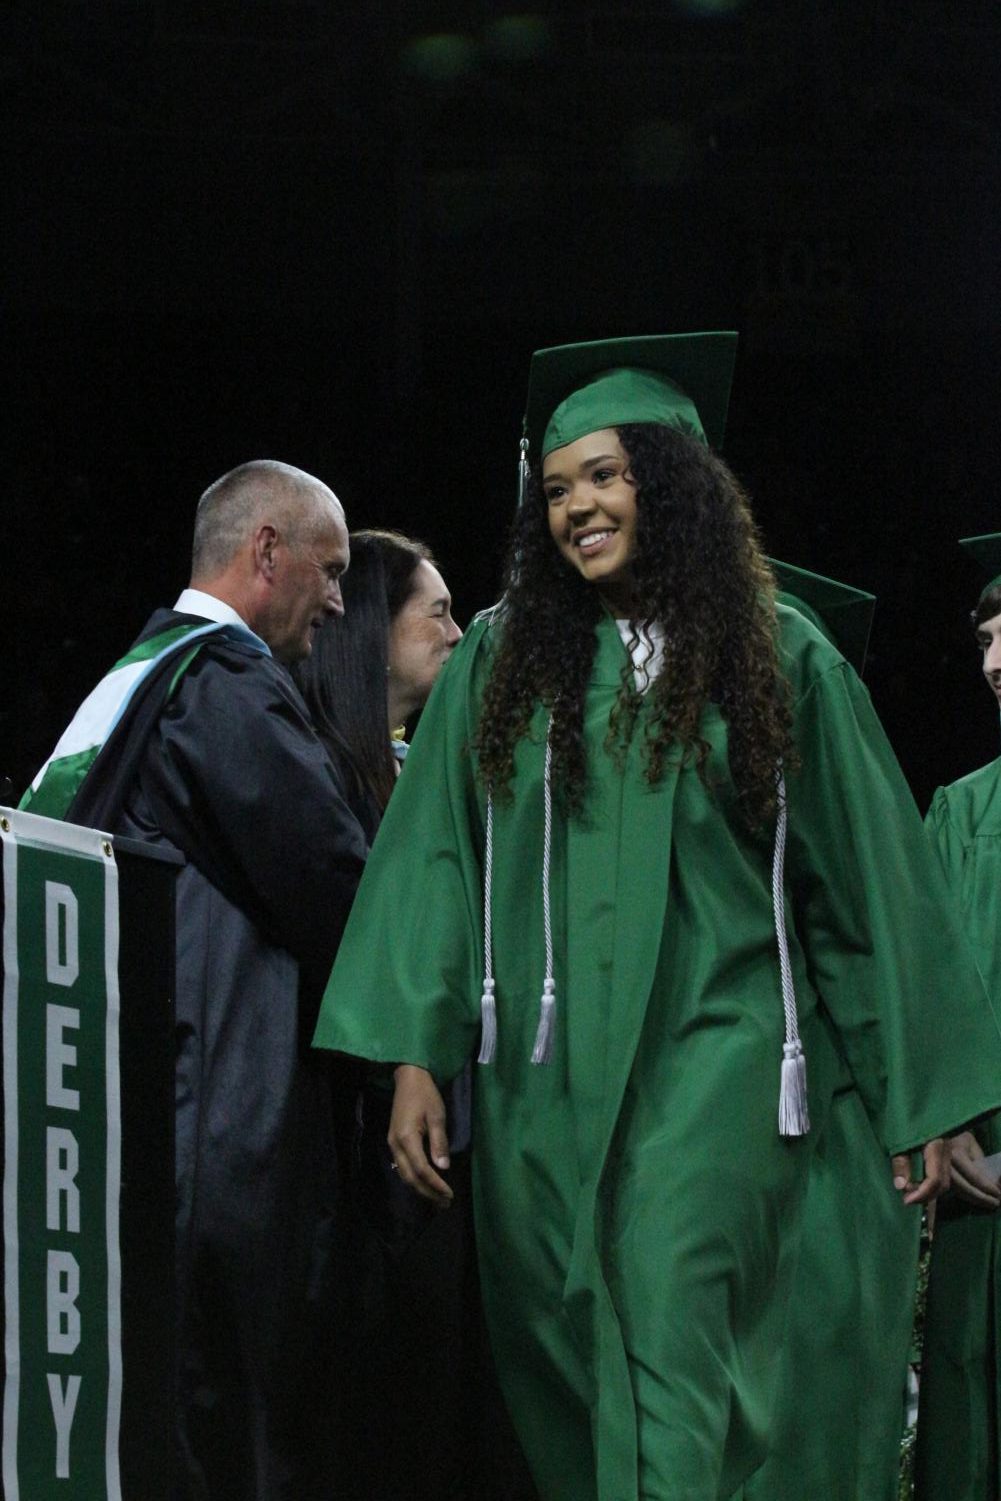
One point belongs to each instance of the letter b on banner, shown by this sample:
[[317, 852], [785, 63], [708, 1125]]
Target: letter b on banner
[[62, 1293]]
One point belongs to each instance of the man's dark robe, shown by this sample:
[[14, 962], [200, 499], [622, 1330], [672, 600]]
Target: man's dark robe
[[232, 774]]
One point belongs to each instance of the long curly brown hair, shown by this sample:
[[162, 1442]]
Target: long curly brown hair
[[699, 571]]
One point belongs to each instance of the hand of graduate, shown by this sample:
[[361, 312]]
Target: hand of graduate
[[969, 1179], [417, 1133], [936, 1180]]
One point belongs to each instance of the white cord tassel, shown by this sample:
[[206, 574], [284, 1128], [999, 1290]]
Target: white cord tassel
[[488, 1004], [543, 1050], [794, 1111]]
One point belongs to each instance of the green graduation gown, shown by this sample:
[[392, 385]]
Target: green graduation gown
[[637, 1211], [840, 1414], [959, 1434]]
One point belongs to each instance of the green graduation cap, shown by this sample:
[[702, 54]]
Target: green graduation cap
[[841, 613], [987, 551], [679, 380]]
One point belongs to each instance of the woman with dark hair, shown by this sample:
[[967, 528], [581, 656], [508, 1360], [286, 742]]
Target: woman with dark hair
[[372, 669], [653, 841], [959, 1414], [369, 672]]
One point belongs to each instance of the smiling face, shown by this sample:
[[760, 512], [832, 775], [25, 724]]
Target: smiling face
[[307, 565], [421, 637], [989, 641], [591, 501]]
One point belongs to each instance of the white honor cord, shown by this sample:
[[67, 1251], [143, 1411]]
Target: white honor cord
[[488, 1003], [543, 1049], [794, 1114]]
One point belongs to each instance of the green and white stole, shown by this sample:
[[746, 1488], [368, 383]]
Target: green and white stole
[[59, 780]]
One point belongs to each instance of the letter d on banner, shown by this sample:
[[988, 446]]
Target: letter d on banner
[[62, 934]]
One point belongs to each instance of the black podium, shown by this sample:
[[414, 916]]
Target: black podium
[[87, 1154]]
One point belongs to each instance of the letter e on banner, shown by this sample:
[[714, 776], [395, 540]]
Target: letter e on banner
[[60, 1055], [62, 934]]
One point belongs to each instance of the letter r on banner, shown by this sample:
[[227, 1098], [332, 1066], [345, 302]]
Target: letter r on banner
[[62, 1163]]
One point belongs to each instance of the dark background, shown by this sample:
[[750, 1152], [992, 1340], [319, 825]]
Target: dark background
[[333, 234]]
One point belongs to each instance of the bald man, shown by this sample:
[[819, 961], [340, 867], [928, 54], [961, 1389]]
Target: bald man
[[214, 755]]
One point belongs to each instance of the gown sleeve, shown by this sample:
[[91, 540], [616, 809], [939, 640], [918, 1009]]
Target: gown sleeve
[[407, 981], [946, 839], [882, 941], [236, 777]]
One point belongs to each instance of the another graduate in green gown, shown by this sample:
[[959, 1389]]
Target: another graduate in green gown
[[959, 1411], [595, 874], [840, 1415]]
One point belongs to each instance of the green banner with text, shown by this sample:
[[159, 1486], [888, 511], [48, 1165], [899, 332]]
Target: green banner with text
[[62, 1152]]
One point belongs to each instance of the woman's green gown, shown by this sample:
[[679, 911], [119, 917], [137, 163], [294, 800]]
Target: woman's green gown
[[637, 1211]]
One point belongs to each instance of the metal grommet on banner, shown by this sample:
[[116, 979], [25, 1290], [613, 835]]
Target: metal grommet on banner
[[106, 847], [5, 825]]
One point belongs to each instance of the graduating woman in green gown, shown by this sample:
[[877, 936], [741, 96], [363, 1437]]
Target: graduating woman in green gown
[[959, 1414], [652, 851]]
